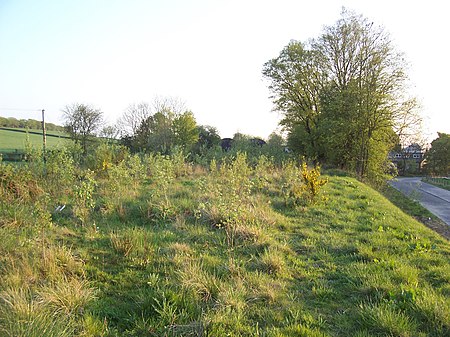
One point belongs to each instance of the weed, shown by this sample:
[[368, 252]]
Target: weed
[[69, 297], [84, 196], [385, 319], [122, 245], [22, 315], [194, 278]]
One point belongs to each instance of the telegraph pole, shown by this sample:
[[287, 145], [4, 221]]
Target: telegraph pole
[[44, 136]]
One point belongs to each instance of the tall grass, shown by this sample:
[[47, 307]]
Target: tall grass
[[243, 247]]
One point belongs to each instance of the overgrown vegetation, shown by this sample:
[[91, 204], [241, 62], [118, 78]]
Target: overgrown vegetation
[[152, 245], [179, 233], [438, 156]]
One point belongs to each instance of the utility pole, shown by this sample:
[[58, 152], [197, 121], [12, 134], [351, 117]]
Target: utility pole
[[44, 136]]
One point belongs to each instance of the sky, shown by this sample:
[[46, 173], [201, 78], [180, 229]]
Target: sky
[[207, 53]]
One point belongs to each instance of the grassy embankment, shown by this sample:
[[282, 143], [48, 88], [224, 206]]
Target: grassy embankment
[[227, 253]]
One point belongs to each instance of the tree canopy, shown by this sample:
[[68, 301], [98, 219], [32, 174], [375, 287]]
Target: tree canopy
[[438, 156], [342, 95], [160, 127], [82, 121]]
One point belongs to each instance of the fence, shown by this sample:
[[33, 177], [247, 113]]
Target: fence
[[439, 181]]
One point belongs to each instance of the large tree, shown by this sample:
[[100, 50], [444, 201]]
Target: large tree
[[167, 126], [82, 121], [438, 156], [369, 76], [185, 130], [296, 81], [343, 96]]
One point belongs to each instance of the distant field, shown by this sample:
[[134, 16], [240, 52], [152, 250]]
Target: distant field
[[11, 140]]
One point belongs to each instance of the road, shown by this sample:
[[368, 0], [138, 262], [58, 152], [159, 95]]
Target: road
[[435, 199]]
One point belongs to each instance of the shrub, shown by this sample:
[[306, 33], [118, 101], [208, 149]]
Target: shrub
[[227, 198], [60, 173], [291, 184], [163, 175], [300, 185], [312, 181], [84, 196]]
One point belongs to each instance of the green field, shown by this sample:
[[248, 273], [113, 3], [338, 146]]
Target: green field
[[160, 248], [11, 141]]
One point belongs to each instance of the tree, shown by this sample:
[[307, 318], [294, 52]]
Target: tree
[[81, 122], [132, 117], [110, 132], [438, 156], [185, 131], [208, 136], [155, 133], [168, 125], [369, 76], [342, 96], [296, 81]]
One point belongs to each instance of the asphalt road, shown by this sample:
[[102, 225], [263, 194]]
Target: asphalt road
[[435, 199]]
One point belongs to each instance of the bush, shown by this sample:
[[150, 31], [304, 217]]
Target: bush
[[300, 185], [312, 181], [84, 196]]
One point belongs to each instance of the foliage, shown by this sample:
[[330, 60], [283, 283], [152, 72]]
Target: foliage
[[132, 118], [163, 175], [105, 155], [122, 180], [439, 182], [342, 96], [185, 131], [300, 185], [31, 124], [291, 184], [221, 255], [84, 201], [296, 83], [208, 137], [159, 128], [58, 174], [438, 156], [312, 181], [82, 122]]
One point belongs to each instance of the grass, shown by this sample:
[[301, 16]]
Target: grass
[[12, 140], [414, 209], [439, 182], [223, 261]]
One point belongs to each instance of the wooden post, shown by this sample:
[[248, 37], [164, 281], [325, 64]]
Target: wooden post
[[44, 136]]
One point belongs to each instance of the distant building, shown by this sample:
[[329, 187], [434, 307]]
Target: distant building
[[408, 160]]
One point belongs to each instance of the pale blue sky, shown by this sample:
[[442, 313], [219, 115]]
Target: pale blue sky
[[208, 53]]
